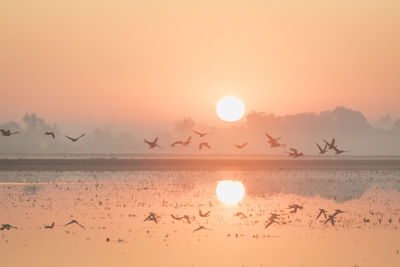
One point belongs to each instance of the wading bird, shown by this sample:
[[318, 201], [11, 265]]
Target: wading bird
[[201, 228], [294, 208], [330, 145], [186, 217], [273, 142], [272, 219], [321, 212], [338, 151], [241, 215], [151, 217]]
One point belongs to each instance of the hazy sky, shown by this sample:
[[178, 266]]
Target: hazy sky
[[125, 61]]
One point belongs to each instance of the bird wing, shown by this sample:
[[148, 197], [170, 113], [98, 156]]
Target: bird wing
[[82, 135], [155, 140], [177, 142], [197, 132], [189, 139], [52, 134], [269, 137], [319, 147], [333, 141], [70, 138], [293, 149], [207, 145]]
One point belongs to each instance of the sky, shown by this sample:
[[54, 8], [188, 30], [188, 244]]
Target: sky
[[152, 62]]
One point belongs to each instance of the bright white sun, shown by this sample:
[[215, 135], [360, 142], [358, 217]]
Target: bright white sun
[[230, 108], [230, 192]]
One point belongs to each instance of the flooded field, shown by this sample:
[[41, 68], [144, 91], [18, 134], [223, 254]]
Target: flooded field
[[287, 216]]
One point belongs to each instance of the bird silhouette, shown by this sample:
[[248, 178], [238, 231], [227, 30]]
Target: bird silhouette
[[204, 144], [201, 228], [294, 153], [240, 146], [74, 222], [273, 142], [75, 139], [295, 207], [201, 134], [49, 226], [241, 215], [151, 217], [184, 143], [201, 214], [7, 227], [152, 144], [338, 151], [186, 217], [321, 212], [272, 219], [322, 151], [51, 134], [7, 132], [331, 145]]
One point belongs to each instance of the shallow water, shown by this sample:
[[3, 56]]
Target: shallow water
[[113, 204]]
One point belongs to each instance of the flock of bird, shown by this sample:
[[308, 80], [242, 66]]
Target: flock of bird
[[273, 219], [273, 142]]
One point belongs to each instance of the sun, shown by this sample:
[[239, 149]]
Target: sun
[[230, 108], [230, 192]]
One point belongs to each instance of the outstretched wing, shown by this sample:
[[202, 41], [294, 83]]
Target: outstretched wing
[[82, 135], [293, 149], [320, 149], [70, 138]]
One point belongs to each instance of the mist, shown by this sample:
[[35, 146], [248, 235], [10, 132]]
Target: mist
[[302, 130]]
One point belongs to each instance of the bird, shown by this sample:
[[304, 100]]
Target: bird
[[201, 228], [331, 218], [201, 214], [273, 142], [7, 132], [184, 143], [330, 145], [294, 153], [201, 134], [75, 139], [186, 217], [51, 134], [295, 207], [152, 144], [49, 226], [201, 145], [322, 151], [151, 217], [240, 146], [272, 219], [7, 227], [338, 151], [76, 222], [321, 212], [241, 215]]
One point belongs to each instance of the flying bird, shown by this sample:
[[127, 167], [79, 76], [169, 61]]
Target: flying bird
[[186, 217], [272, 219], [75, 139], [322, 151], [151, 217], [51, 134], [241, 215], [330, 145], [201, 134], [273, 142], [201, 228], [184, 143], [7, 132], [204, 144], [295, 207], [49, 226], [7, 227], [240, 146], [294, 153], [75, 222], [152, 144], [338, 151], [321, 212], [201, 214]]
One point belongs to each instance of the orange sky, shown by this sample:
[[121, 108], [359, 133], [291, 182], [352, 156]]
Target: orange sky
[[122, 61]]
